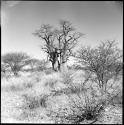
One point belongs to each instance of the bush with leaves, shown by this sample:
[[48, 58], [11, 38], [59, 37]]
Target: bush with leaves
[[16, 61]]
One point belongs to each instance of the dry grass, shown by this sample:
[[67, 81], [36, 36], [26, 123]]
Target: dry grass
[[39, 97]]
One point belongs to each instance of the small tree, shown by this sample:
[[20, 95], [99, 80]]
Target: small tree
[[58, 41], [105, 62], [16, 61]]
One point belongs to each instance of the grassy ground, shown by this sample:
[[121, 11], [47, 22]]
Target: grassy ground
[[30, 98]]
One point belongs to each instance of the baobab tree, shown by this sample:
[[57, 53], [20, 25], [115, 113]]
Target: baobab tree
[[58, 42], [46, 33]]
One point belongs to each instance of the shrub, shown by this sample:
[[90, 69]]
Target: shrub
[[82, 105], [43, 99], [48, 71], [105, 62], [28, 85], [51, 83], [15, 88], [21, 87], [30, 102], [33, 101]]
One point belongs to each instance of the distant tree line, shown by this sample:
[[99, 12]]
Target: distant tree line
[[16, 61]]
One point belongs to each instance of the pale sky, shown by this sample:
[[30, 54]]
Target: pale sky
[[99, 20]]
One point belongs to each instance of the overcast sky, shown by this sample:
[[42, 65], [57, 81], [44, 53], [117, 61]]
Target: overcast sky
[[98, 20]]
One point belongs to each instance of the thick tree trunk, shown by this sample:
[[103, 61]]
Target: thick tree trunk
[[53, 66]]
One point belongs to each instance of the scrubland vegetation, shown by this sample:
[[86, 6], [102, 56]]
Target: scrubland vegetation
[[88, 92], [60, 97]]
